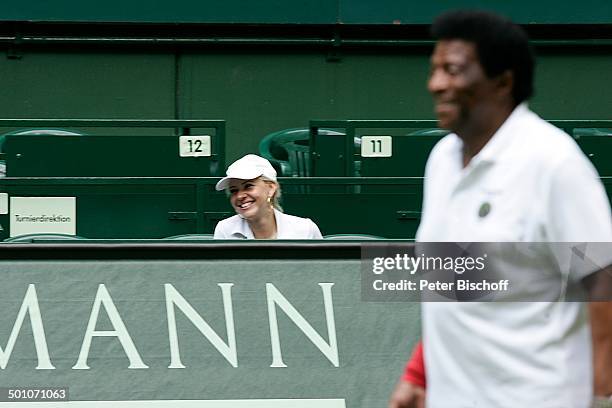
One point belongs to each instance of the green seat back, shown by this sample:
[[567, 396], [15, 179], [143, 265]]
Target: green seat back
[[289, 150], [596, 143], [352, 237], [102, 156], [42, 237], [410, 154], [191, 237], [29, 132]]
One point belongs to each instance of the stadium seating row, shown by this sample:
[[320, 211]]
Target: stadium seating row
[[349, 148], [388, 148], [144, 185]]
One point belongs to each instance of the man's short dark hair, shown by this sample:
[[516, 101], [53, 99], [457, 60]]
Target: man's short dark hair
[[501, 45]]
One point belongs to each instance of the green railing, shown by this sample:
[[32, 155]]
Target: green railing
[[139, 208], [153, 208]]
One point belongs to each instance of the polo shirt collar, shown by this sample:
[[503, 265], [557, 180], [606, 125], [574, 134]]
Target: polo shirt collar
[[496, 146], [241, 228], [502, 138], [492, 152], [279, 223]]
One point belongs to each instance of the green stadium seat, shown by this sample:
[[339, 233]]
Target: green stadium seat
[[430, 132], [30, 132], [103, 156], [578, 132], [191, 237], [596, 143], [289, 150], [30, 238], [353, 237]]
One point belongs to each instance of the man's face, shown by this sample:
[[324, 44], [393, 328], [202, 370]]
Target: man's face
[[461, 90]]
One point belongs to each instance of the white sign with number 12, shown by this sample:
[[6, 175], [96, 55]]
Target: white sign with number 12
[[194, 146]]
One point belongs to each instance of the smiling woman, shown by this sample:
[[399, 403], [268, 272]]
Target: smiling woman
[[254, 194]]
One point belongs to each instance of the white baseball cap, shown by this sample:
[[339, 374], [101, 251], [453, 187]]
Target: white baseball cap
[[247, 168]]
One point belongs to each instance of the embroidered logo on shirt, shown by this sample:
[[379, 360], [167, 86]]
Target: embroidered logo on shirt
[[484, 210]]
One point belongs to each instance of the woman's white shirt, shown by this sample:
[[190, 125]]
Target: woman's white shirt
[[287, 227]]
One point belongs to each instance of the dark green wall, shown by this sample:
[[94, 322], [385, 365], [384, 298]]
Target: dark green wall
[[521, 11], [86, 84], [573, 85], [258, 93], [295, 11]]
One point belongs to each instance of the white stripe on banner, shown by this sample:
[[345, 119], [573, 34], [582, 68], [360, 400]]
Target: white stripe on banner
[[250, 403]]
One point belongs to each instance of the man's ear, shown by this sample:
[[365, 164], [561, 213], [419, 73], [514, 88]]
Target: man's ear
[[505, 83]]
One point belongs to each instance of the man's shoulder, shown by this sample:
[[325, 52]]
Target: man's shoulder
[[446, 146], [531, 123], [544, 140]]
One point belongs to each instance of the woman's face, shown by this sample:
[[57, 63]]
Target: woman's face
[[250, 197]]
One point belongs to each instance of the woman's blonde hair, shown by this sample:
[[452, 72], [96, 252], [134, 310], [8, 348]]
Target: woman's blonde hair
[[275, 200]]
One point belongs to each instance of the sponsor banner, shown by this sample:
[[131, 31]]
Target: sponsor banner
[[249, 403], [211, 333]]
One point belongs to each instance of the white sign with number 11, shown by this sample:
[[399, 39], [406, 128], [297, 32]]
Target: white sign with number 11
[[376, 146]]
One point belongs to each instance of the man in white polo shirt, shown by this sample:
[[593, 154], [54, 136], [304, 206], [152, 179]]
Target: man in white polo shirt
[[504, 175]]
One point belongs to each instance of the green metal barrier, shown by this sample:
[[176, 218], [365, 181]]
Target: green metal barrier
[[394, 148], [153, 208], [387, 207], [186, 148], [133, 208], [111, 208]]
